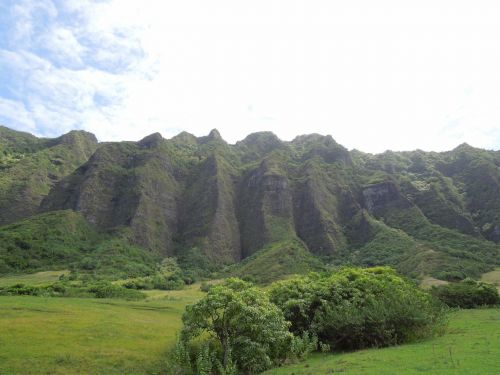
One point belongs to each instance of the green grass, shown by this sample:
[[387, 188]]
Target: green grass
[[470, 346], [83, 335], [90, 336], [33, 279]]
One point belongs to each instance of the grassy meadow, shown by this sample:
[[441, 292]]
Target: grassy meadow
[[40, 335], [89, 336]]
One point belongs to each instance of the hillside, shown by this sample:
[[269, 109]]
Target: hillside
[[425, 213]]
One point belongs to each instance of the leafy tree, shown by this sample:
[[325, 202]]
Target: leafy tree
[[243, 326]]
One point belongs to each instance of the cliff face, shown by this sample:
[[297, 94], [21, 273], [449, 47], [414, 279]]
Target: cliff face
[[230, 201]]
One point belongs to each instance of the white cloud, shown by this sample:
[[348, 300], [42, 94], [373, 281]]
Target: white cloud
[[27, 14], [17, 113], [63, 46], [385, 75]]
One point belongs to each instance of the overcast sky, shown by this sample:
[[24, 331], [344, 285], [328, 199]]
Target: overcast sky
[[375, 75]]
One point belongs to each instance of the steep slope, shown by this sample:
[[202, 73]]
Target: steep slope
[[125, 184], [212, 204], [208, 217], [265, 209]]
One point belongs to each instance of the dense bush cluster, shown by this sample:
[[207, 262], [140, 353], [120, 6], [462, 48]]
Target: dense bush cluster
[[467, 294], [97, 290], [357, 308], [155, 282], [237, 327], [169, 276], [108, 290]]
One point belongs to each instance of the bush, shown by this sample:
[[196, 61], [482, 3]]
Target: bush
[[139, 284], [172, 282], [108, 290], [205, 287], [21, 290], [451, 275], [467, 294], [235, 327], [55, 290], [59, 289], [357, 308], [158, 281]]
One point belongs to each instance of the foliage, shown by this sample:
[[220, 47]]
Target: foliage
[[357, 308], [195, 264], [467, 294], [64, 289], [238, 326], [55, 238], [169, 276], [64, 239], [108, 290]]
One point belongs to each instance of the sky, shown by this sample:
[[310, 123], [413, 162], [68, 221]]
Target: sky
[[399, 75]]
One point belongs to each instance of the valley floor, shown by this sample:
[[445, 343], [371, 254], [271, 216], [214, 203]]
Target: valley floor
[[95, 336]]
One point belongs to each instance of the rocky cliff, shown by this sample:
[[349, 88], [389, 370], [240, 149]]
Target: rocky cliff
[[431, 212]]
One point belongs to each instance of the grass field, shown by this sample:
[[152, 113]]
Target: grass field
[[471, 347], [97, 336], [89, 336]]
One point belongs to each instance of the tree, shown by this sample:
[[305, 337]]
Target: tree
[[248, 329]]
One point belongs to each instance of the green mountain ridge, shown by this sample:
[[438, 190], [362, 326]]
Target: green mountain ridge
[[426, 213]]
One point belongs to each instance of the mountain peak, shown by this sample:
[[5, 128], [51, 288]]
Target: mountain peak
[[152, 140], [264, 136], [214, 134], [463, 146], [212, 137]]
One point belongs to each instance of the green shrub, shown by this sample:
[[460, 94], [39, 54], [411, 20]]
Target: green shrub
[[108, 290], [158, 281], [205, 287], [357, 308], [235, 327], [173, 282], [143, 283], [54, 290], [467, 294], [451, 275], [21, 290]]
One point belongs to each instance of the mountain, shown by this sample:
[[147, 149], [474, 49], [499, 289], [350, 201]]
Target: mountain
[[211, 203]]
